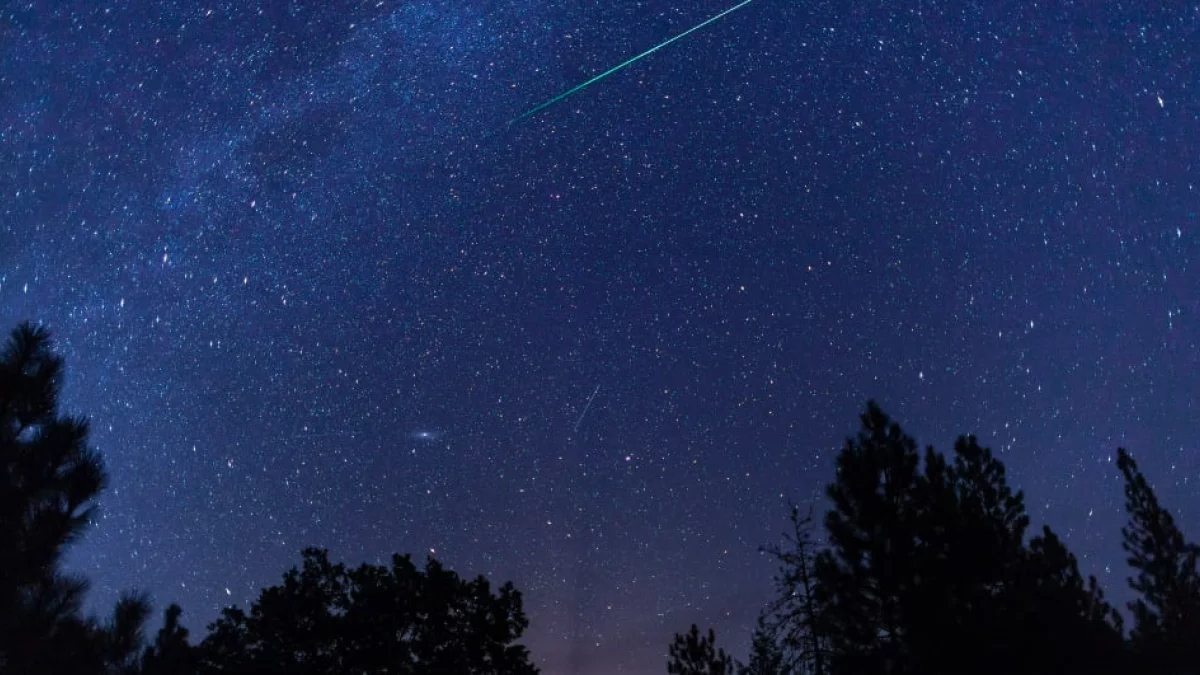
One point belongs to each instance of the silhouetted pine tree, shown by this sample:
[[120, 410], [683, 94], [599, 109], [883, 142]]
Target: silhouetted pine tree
[[865, 576], [696, 654], [766, 655], [1055, 622], [171, 653], [793, 615], [371, 620], [1166, 618], [987, 598], [927, 571], [49, 480], [121, 639], [969, 547]]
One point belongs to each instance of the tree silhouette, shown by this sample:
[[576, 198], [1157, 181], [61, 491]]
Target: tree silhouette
[[864, 578], [793, 615], [1055, 622], [968, 550], [696, 654], [120, 638], [49, 481], [325, 618], [1166, 618], [171, 653], [766, 655], [927, 570]]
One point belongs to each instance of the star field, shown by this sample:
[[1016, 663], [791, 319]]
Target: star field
[[315, 290]]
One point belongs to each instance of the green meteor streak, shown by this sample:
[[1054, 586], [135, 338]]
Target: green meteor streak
[[614, 69]]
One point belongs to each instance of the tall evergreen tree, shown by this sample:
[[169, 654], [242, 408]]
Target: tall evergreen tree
[[697, 654], [865, 575], [970, 530], [1054, 621], [794, 615], [49, 481], [928, 573], [1166, 616]]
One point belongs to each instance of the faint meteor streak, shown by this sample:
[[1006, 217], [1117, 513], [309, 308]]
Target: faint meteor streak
[[589, 402], [614, 69]]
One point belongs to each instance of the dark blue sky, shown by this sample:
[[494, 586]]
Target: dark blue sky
[[279, 240]]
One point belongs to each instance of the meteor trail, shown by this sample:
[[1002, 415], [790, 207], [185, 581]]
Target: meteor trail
[[614, 69], [589, 404]]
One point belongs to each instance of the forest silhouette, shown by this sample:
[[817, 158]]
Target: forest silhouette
[[924, 565]]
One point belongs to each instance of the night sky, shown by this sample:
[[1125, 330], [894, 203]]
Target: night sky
[[313, 287]]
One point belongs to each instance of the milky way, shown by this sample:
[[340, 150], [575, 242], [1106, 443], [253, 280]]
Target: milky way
[[275, 240]]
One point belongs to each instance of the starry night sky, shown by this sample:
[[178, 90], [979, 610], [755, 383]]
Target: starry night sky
[[314, 289]]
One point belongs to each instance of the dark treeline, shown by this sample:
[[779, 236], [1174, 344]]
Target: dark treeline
[[323, 619], [925, 566]]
